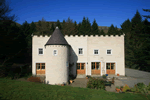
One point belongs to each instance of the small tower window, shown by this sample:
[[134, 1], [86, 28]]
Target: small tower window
[[55, 52]]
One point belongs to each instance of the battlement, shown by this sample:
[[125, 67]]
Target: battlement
[[82, 36]]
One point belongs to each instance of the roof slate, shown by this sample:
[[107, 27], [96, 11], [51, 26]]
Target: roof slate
[[57, 38]]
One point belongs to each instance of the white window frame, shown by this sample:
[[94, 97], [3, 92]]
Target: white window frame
[[94, 51], [39, 50], [111, 51], [56, 52], [82, 51]]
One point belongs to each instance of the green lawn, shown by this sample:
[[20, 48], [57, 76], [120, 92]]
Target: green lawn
[[19, 90]]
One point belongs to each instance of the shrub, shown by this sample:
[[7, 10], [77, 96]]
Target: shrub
[[34, 79], [104, 76], [148, 87], [121, 86], [117, 87], [126, 88], [133, 89], [142, 88], [96, 84]]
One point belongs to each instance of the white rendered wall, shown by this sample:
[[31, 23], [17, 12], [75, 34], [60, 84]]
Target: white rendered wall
[[56, 66], [88, 43]]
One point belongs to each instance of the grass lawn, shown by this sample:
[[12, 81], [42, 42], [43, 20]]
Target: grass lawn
[[20, 90]]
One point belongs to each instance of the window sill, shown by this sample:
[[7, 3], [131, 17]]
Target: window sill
[[96, 54], [109, 54], [40, 54], [80, 54]]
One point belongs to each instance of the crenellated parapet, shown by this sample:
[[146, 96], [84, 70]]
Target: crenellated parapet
[[82, 36]]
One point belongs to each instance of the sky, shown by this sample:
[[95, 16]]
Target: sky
[[105, 12]]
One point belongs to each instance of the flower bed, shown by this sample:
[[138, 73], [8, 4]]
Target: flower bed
[[95, 83], [138, 88], [34, 79]]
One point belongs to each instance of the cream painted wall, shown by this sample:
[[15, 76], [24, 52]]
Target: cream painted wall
[[88, 43]]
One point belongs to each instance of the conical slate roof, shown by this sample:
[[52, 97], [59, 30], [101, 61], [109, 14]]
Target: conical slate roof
[[57, 38]]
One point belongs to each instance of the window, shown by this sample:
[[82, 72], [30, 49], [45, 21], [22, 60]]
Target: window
[[109, 51], [80, 51], [80, 66], [96, 51], [40, 66], [95, 65], [40, 51], [55, 52], [110, 66]]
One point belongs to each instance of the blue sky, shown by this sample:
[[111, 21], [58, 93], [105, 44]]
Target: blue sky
[[106, 12]]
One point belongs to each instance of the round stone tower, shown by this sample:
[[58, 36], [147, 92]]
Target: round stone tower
[[57, 58]]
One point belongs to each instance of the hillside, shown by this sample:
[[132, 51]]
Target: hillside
[[104, 28]]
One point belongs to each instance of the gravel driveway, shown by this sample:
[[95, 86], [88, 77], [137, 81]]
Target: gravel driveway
[[136, 76]]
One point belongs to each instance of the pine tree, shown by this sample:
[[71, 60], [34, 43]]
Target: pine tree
[[125, 28], [69, 20], [136, 40], [63, 23], [82, 29], [102, 32], [52, 28], [88, 27], [26, 30], [111, 30], [75, 28], [33, 27], [147, 10], [79, 29], [94, 28], [58, 24], [117, 31]]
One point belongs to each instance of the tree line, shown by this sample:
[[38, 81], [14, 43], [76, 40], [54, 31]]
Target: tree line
[[16, 40], [70, 27]]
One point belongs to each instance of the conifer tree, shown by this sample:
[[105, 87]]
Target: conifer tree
[[75, 28], [111, 30], [33, 27], [63, 23], [147, 10], [94, 28], [117, 31], [58, 24], [88, 27], [125, 28], [79, 29], [82, 29], [136, 43], [102, 32], [52, 28], [26, 30]]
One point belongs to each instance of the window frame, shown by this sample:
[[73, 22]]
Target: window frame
[[110, 50], [95, 65], [39, 51], [94, 51], [82, 51], [40, 66], [56, 52]]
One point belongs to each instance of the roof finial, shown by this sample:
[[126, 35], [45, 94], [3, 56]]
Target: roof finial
[[56, 27]]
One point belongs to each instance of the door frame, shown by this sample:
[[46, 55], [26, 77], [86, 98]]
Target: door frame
[[85, 68], [35, 67], [91, 66], [115, 66]]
